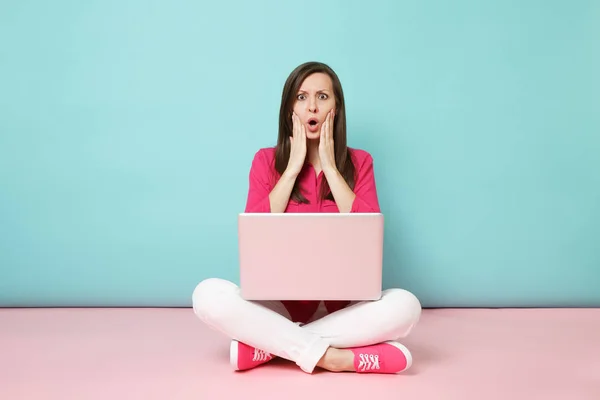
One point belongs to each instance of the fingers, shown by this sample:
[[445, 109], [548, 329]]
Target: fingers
[[330, 125], [294, 132], [326, 130], [298, 127], [298, 138], [294, 125]]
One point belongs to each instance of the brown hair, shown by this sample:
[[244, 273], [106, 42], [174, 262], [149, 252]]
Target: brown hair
[[343, 160]]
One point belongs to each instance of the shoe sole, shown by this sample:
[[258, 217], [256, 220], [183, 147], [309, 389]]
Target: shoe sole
[[233, 355]]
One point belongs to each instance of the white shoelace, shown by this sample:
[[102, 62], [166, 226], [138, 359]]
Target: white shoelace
[[368, 362], [260, 355]]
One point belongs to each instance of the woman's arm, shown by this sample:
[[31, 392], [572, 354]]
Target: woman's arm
[[262, 198], [364, 197], [280, 195], [342, 194], [259, 186], [366, 200]]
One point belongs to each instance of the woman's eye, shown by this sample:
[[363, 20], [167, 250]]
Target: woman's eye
[[323, 97], [300, 97]]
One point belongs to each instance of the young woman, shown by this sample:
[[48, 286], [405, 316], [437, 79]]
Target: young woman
[[312, 170]]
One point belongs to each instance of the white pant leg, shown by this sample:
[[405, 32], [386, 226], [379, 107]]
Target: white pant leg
[[262, 325], [370, 322]]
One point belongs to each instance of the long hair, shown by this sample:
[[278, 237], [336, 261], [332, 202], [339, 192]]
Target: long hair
[[343, 159]]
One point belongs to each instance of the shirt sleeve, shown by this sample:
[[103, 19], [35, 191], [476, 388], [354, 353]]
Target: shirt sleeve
[[365, 190], [259, 187]]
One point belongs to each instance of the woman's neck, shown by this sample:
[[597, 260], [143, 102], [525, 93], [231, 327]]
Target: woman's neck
[[312, 153]]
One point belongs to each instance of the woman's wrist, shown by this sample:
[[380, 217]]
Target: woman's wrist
[[290, 174], [331, 172]]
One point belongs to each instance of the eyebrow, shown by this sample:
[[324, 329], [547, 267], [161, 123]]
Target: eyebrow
[[320, 90]]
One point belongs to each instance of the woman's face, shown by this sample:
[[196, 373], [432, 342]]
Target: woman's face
[[314, 100]]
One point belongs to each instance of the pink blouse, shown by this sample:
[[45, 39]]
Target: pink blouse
[[263, 178]]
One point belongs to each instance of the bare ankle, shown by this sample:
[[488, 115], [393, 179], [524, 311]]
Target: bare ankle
[[337, 360]]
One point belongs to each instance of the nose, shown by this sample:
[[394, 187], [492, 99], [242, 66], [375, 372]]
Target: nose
[[312, 106]]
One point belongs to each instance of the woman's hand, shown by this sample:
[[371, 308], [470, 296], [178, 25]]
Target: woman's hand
[[280, 195], [326, 147], [298, 147], [342, 194]]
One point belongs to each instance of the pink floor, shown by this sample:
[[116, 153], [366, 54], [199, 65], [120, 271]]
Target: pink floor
[[167, 354]]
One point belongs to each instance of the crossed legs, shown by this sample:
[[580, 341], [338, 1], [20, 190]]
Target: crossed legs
[[266, 325]]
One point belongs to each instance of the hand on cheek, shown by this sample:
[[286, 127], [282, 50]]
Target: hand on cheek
[[297, 146], [326, 145]]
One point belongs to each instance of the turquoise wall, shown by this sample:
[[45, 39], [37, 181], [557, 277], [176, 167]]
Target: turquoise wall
[[127, 129]]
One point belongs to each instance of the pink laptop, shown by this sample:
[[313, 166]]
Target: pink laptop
[[304, 256]]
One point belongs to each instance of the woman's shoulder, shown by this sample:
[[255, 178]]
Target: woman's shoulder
[[264, 157], [263, 162], [266, 153], [360, 156]]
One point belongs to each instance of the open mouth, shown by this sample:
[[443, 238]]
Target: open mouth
[[313, 125]]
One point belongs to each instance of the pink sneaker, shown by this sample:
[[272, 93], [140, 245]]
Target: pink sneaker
[[384, 358], [244, 357]]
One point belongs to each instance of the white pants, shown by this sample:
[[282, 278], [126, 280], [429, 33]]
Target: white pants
[[266, 325]]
